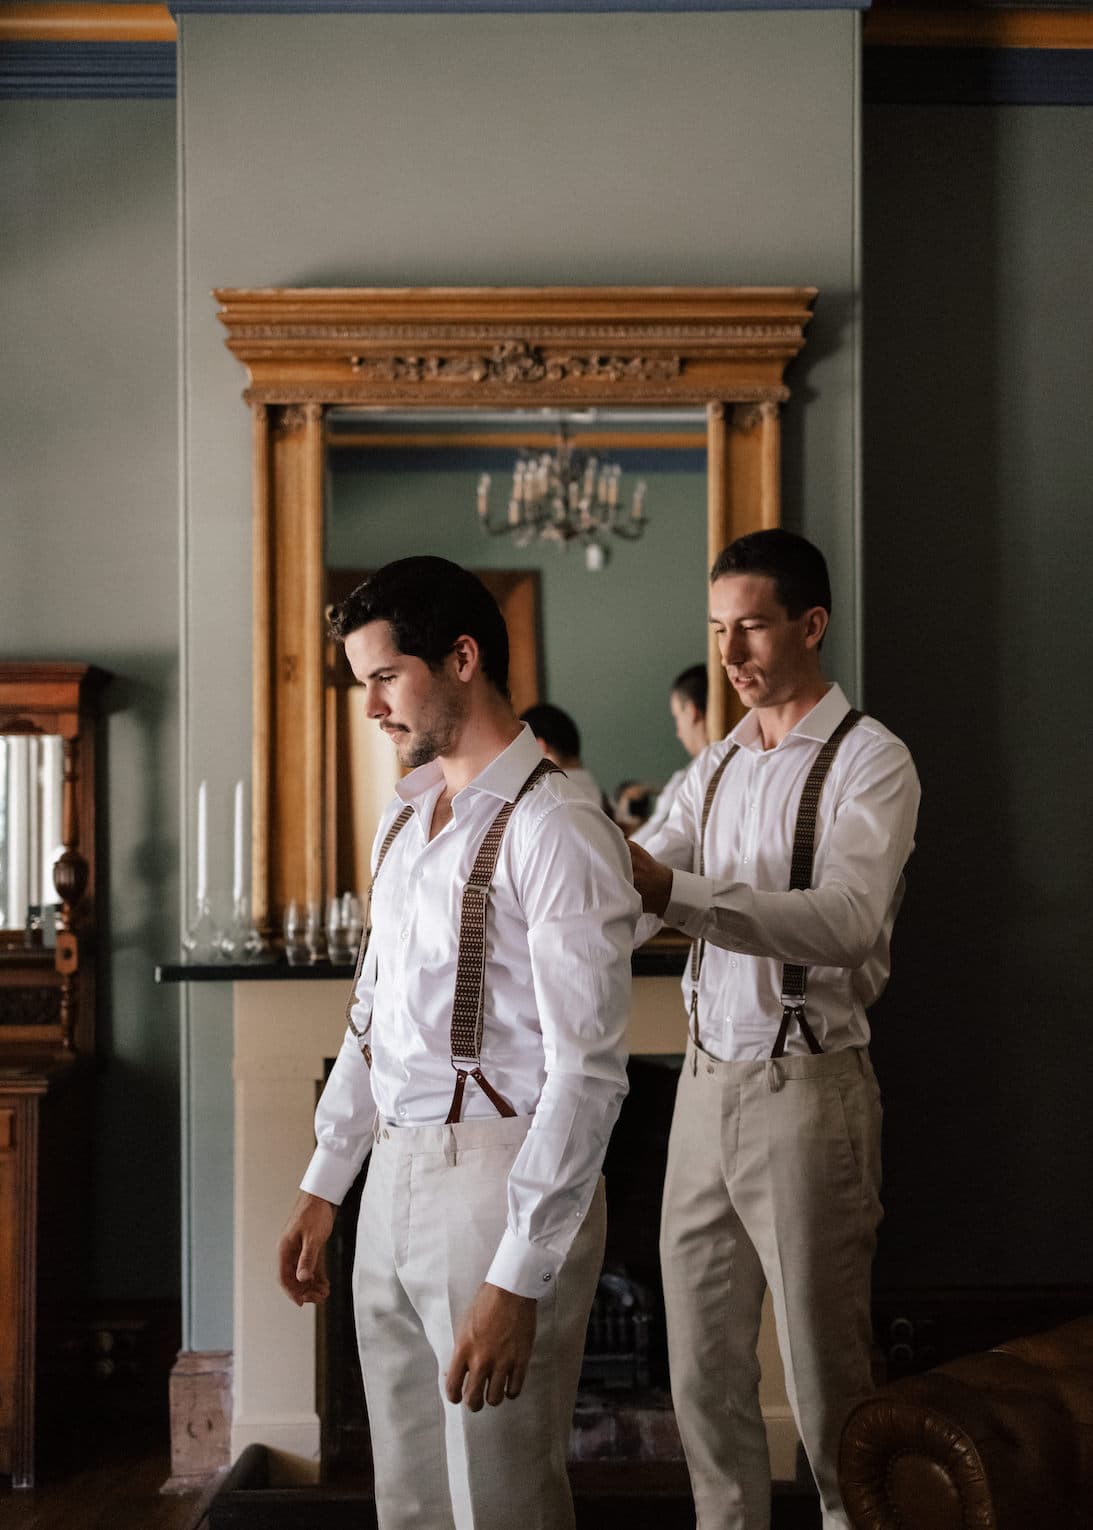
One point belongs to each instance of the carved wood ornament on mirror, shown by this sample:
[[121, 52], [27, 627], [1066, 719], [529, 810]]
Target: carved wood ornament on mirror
[[308, 349]]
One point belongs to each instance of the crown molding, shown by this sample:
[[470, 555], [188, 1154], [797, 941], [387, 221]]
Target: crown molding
[[86, 23], [489, 7], [897, 27]]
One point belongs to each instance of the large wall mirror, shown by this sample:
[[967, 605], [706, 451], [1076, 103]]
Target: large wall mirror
[[379, 415]]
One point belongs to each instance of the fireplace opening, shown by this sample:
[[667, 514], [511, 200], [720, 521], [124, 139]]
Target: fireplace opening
[[623, 1411]]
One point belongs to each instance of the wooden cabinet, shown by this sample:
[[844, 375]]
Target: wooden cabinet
[[47, 1030]]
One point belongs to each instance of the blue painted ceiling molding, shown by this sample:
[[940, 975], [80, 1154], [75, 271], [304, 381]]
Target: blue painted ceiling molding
[[488, 7], [87, 71], [977, 76]]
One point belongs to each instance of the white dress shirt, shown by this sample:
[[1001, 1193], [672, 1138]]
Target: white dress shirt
[[585, 784], [840, 928], [560, 927]]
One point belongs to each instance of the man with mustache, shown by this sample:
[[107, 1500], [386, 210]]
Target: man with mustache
[[782, 858], [483, 1069]]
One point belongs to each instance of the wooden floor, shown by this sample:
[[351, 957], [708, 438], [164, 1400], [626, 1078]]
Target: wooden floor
[[111, 1481], [102, 1480]]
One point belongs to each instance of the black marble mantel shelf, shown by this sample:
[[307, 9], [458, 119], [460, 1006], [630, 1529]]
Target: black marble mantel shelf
[[653, 960]]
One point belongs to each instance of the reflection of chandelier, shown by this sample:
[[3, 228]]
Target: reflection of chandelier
[[565, 496]]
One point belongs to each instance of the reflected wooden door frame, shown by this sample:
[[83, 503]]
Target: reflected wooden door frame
[[308, 349]]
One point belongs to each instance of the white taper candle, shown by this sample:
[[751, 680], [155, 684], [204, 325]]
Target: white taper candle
[[237, 863], [202, 844]]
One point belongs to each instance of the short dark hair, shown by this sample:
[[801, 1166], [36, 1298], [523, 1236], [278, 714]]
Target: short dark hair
[[796, 566], [694, 686], [555, 727], [428, 604]]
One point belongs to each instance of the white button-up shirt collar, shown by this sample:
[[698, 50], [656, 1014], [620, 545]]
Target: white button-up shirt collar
[[502, 777], [819, 723]]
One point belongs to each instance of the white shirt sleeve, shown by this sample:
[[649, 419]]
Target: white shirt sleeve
[[346, 1113], [859, 862], [580, 904], [659, 816], [672, 841]]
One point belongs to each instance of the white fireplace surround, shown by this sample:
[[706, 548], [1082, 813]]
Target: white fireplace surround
[[284, 1032]]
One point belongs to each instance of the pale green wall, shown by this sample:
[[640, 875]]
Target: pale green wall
[[89, 572], [378, 150], [612, 642], [979, 561]]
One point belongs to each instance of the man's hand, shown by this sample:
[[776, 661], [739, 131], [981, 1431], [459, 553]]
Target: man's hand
[[300, 1252], [492, 1348], [652, 879]]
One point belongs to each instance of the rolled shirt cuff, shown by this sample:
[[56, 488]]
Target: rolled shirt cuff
[[524, 1268], [689, 902], [329, 1176]]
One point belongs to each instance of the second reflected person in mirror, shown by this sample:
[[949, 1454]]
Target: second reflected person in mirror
[[773, 1174], [687, 704], [483, 1069]]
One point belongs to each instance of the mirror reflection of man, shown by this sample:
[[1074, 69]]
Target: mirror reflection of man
[[483, 1069], [773, 1172], [559, 738], [687, 704]]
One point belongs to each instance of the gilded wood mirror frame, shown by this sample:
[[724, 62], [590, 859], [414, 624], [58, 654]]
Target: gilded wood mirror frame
[[309, 349]]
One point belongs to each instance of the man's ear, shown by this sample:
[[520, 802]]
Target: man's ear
[[467, 657], [815, 625]]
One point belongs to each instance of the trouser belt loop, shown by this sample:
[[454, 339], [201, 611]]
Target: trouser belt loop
[[450, 1146], [775, 1077]]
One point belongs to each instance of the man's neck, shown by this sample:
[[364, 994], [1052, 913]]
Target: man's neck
[[489, 729], [775, 722]]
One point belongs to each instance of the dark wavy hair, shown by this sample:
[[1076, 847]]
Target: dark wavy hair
[[797, 567], [429, 603]]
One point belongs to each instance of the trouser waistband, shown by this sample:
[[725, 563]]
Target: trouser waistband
[[486, 1131], [777, 1070]]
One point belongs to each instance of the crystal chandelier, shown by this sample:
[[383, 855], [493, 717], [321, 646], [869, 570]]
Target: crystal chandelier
[[565, 496]]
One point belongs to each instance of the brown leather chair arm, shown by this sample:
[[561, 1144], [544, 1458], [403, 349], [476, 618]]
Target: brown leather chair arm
[[996, 1441]]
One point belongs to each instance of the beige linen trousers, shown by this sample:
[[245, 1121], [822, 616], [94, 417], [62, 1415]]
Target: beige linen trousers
[[432, 1214], [773, 1179]]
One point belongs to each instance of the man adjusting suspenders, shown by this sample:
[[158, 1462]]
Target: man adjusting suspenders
[[782, 858]]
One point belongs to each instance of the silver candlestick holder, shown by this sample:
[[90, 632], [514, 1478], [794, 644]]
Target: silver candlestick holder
[[240, 940]]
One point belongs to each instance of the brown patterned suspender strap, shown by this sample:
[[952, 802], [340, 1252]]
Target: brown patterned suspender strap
[[389, 838], [470, 978], [800, 877], [698, 947]]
